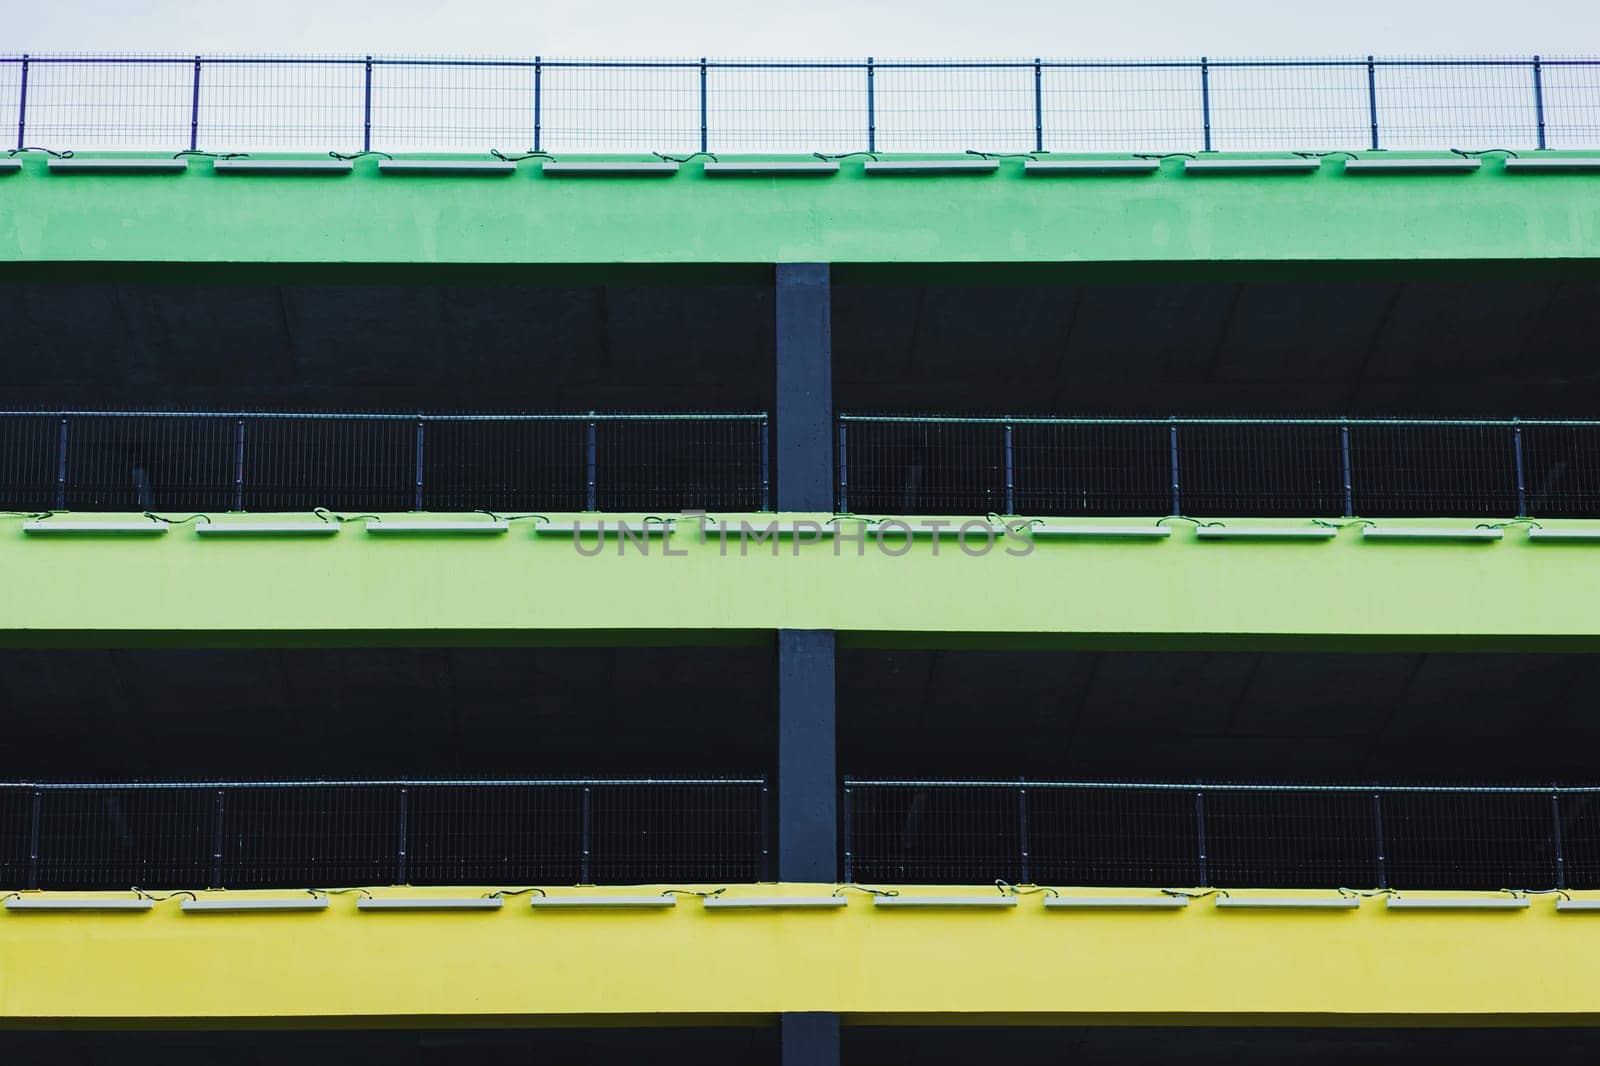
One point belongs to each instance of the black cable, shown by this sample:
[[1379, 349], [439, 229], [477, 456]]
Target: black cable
[[64, 154], [684, 159], [358, 155], [1164, 155], [498, 154], [1475, 153], [176, 521], [211, 155], [844, 155]]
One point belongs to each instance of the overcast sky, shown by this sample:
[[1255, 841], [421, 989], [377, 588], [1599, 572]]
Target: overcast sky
[[807, 27]]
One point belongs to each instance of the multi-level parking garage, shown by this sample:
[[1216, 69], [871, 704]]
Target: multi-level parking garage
[[1138, 610]]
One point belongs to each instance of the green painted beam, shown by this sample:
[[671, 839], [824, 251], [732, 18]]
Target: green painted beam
[[530, 219], [1348, 591]]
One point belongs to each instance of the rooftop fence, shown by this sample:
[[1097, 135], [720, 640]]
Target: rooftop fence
[[1219, 467], [237, 461], [236, 103], [305, 834], [1361, 837]]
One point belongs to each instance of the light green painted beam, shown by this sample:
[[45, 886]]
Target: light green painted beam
[[1181, 591], [1001, 218]]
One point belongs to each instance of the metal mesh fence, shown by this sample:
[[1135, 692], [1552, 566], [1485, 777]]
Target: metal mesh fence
[[324, 834], [396, 103], [1218, 467], [1222, 835], [127, 461]]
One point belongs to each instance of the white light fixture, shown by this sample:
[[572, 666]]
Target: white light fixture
[[281, 166], [773, 168], [1130, 903], [1297, 165], [609, 527], [448, 167], [78, 903], [1541, 162], [715, 528], [1265, 532], [79, 165], [598, 168], [223, 905], [437, 526], [70, 527], [582, 901], [10, 165], [932, 166], [1578, 906], [1546, 533], [1090, 166], [978, 902], [1050, 530], [1431, 533], [312, 528], [1456, 903], [1448, 165], [429, 903], [1294, 903], [723, 903]]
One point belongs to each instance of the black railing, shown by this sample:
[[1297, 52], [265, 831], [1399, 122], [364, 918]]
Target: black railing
[[1219, 467], [237, 461], [304, 834], [1222, 835], [361, 103]]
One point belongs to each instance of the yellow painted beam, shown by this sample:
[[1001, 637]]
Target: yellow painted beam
[[519, 585], [526, 965]]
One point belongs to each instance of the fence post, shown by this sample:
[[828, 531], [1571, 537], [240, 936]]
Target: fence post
[[766, 455], [22, 105], [872, 110], [33, 840], [1172, 443], [1555, 825], [216, 844], [1377, 826], [766, 831], [238, 466], [1372, 100], [366, 111], [849, 841], [1522, 484], [1344, 462], [1038, 106], [1200, 835], [538, 91], [1538, 96], [416, 502], [194, 109], [1011, 493], [1022, 827], [401, 871], [584, 870], [61, 467], [844, 474], [1205, 99], [702, 103], [591, 498]]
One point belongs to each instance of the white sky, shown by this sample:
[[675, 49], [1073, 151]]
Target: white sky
[[1062, 28]]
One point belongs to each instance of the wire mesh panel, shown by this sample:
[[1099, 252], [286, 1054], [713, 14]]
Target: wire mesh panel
[[1464, 469], [1468, 839], [10, 97], [1144, 106], [144, 462], [295, 464], [1561, 470], [1260, 469], [494, 835], [446, 105], [504, 464], [669, 464], [251, 104], [101, 102], [28, 456], [925, 467], [1113, 836], [1571, 90], [310, 836], [1092, 469], [117, 838], [933, 834], [1580, 836], [620, 105], [666, 832], [1267, 838], [786, 106], [923, 106], [1259, 104], [1459, 104], [16, 834]]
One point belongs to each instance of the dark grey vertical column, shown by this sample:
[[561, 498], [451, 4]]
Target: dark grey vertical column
[[807, 772], [805, 387]]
